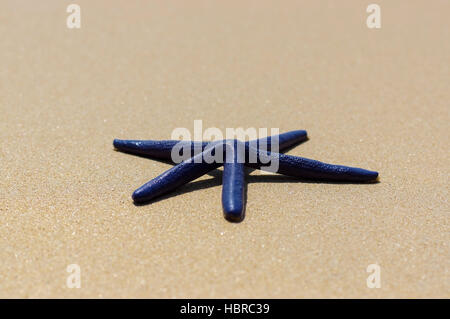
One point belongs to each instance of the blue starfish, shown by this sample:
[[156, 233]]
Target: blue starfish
[[254, 154]]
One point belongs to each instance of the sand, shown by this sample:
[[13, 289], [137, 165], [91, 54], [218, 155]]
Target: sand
[[372, 98]]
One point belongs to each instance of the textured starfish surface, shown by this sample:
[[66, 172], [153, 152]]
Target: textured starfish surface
[[203, 157]]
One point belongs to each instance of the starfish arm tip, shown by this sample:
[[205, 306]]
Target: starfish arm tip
[[364, 174], [375, 177], [233, 214], [117, 143], [143, 194], [137, 196], [301, 132]]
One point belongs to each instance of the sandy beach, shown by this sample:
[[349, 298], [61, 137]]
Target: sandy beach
[[371, 98]]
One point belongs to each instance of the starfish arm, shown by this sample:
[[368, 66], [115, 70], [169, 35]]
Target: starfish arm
[[163, 149], [311, 169], [173, 178], [284, 140], [156, 149], [233, 187]]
